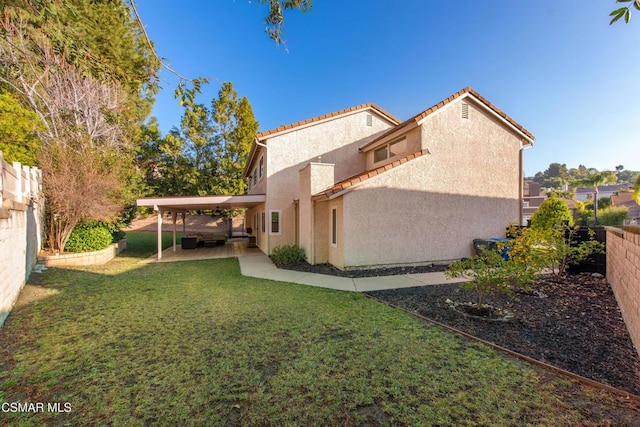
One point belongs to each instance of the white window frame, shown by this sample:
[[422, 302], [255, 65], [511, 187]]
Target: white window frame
[[279, 212], [333, 235]]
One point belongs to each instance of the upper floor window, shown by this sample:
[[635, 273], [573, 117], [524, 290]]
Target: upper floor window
[[390, 150], [261, 167], [255, 176]]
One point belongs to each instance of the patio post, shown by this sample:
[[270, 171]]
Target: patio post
[[175, 217], [159, 234]]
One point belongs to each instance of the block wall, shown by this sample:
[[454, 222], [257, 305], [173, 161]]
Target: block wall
[[13, 258], [623, 274]]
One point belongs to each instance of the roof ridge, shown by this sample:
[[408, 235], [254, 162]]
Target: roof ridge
[[327, 116], [416, 118]]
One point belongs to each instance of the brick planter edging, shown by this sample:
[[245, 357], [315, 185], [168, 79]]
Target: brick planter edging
[[102, 256]]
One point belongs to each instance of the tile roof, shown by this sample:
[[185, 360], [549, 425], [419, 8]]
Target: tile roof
[[356, 179], [468, 90], [613, 187], [369, 105]]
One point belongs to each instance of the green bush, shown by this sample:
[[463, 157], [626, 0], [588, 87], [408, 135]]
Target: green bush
[[287, 254], [88, 237], [613, 215], [487, 272], [552, 213], [551, 249]]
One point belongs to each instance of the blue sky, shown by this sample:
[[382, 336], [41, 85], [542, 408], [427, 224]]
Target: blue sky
[[556, 67]]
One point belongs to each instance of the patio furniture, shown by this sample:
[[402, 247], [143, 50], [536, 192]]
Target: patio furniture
[[189, 242]]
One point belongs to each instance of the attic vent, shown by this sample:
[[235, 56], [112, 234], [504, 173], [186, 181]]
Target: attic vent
[[465, 110], [369, 120]]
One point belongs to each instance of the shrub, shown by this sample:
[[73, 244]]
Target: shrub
[[488, 272], [287, 254], [116, 231], [613, 215], [553, 249], [88, 237], [551, 213]]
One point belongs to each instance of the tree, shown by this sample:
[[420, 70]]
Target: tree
[[552, 213], [624, 11], [236, 128], [636, 190], [206, 155], [88, 108], [596, 179], [18, 128]]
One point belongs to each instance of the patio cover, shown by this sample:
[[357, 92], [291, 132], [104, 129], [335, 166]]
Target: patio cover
[[184, 204]]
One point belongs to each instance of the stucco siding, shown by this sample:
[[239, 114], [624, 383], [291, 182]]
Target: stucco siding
[[431, 208], [475, 156], [322, 230], [336, 253], [335, 141]]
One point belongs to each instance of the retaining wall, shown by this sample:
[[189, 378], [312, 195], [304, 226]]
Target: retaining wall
[[623, 274], [84, 258]]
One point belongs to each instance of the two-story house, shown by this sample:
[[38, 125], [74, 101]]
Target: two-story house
[[356, 188]]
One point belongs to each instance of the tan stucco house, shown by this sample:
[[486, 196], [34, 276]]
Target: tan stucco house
[[357, 188]]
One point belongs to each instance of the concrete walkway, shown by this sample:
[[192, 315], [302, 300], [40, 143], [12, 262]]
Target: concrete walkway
[[260, 266]]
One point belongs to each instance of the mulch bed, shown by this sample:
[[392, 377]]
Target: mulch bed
[[573, 323]]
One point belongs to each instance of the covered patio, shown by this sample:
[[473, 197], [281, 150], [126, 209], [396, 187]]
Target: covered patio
[[232, 249], [182, 205]]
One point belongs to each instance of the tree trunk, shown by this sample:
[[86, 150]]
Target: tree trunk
[[595, 207]]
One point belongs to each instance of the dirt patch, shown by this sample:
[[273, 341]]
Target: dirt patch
[[34, 291], [574, 324]]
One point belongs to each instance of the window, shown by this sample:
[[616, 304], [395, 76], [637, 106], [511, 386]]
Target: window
[[390, 150], [261, 167], [398, 147], [255, 176], [380, 154], [263, 224], [275, 222], [334, 226]]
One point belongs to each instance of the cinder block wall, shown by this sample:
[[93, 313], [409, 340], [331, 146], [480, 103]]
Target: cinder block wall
[[13, 247], [623, 274]]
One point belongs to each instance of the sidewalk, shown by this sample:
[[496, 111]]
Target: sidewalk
[[261, 266]]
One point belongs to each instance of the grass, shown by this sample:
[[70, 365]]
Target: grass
[[196, 343]]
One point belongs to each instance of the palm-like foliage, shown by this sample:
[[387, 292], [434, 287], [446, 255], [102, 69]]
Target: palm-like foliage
[[596, 179]]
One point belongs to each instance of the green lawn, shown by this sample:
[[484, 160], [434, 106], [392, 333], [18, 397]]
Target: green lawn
[[196, 343]]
